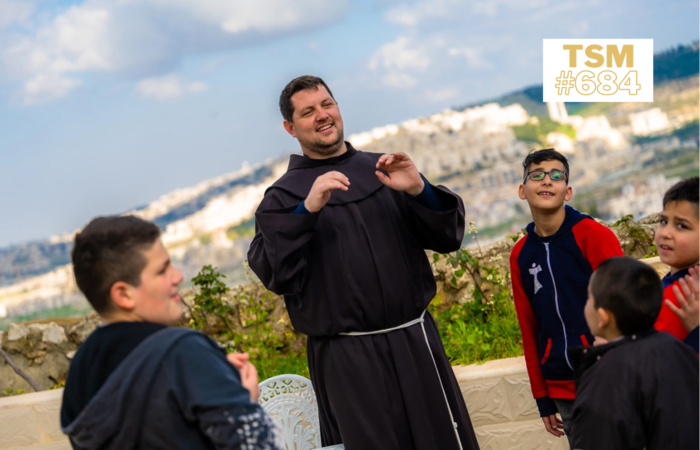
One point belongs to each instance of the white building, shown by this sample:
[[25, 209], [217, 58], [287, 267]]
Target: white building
[[648, 122]]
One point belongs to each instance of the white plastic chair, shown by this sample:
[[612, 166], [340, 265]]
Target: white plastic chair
[[291, 402]]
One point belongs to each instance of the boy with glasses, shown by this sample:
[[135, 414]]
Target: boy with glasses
[[550, 269]]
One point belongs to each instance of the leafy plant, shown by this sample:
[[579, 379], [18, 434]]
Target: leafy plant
[[486, 327], [209, 300], [8, 392], [642, 242], [267, 349], [242, 324]]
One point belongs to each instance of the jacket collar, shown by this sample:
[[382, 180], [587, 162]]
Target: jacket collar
[[583, 359], [304, 162], [571, 218], [669, 279]]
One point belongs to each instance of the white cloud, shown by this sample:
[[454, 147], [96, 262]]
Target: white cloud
[[12, 11], [42, 88], [142, 38], [399, 61], [399, 80], [442, 94], [400, 55], [75, 41], [414, 14], [473, 56], [429, 10], [168, 87]]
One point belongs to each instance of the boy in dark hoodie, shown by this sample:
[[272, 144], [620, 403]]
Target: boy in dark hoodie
[[137, 382], [550, 269], [639, 391]]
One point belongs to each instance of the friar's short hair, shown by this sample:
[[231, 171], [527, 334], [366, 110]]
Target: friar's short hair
[[294, 86], [631, 290], [685, 190], [110, 249], [545, 154]]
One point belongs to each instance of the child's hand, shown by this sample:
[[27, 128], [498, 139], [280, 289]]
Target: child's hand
[[249, 374], [688, 313], [554, 425], [238, 359], [249, 380]]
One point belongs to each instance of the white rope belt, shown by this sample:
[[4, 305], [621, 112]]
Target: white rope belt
[[420, 320]]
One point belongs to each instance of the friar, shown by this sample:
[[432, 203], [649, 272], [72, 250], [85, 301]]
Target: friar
[[342, 235]]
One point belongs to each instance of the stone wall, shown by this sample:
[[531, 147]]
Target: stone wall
[[502, 410], [497, 394], [42, 349], [31, 422]]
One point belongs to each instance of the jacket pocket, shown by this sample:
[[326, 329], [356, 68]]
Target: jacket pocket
[[546, 351], [584, 341]]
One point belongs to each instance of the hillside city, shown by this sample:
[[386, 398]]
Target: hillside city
[[623, 158]]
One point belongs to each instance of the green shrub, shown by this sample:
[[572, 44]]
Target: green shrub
[[271, 354], [486, 327], [537, 132]]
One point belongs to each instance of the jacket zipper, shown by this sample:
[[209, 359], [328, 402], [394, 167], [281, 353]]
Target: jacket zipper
[[556, 303]]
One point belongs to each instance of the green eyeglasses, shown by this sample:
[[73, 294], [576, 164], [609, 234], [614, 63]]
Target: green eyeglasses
[[538, 175]]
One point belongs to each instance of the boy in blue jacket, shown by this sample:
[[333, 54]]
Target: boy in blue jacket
[[550, 269], [138, 382], [639, 391]]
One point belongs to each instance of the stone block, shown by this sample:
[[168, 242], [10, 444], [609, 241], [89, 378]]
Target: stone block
[[522, 405], [48, 418], [18, 428], [17, 332], [54, 334], [487, 401], [529, 435], [58, 445]]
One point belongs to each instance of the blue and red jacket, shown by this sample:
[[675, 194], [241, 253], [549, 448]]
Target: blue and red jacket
[[668, 321], [550, 287]]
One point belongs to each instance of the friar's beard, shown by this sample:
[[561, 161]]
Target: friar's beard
[[321, 148]]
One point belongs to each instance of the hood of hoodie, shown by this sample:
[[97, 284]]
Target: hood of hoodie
[[571, 218], [112, 418]]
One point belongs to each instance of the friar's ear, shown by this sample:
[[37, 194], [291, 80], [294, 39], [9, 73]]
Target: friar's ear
[[289, 128], [123, 295]]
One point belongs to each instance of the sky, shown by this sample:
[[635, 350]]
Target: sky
[[105, 105]]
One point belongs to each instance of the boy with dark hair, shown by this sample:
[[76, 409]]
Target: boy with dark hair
[[137, 382], [677, 240], [639, 391], [550, 269]]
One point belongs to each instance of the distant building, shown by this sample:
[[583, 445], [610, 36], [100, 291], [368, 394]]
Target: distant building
[[557, 112], [640, 199], [561, 142], [648, 122]]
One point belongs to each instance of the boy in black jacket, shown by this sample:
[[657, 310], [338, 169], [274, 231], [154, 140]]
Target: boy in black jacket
[[639, 391], [137, 382]]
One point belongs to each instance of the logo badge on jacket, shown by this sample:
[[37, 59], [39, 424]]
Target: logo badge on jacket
[[534, 271]]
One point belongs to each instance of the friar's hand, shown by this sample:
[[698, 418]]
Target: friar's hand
[[403, 174], [322, 188]]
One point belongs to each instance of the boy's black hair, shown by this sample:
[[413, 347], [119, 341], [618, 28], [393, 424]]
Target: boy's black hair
[[685, 190], [110, 249], [294, 86], [546, 154], [631, 290]]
